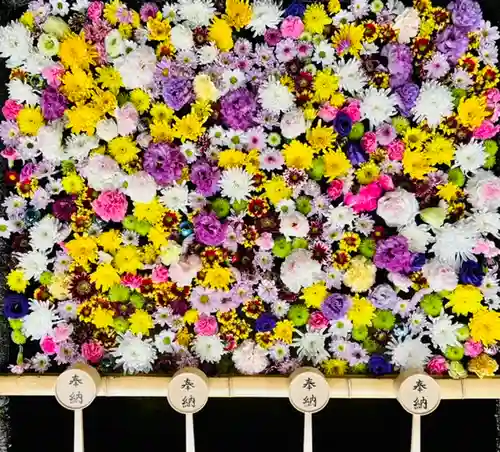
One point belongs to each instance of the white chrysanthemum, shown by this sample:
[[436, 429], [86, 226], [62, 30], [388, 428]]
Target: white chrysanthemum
[[377, 105], [137, 68], [279, 351], [78, 147], [265, 14], [418, 237], [294, 224], [486, 223], [311, 345], [40, 321], [455, 242], [483, 190], [208, 348], [275, 97], [280, 308], [40, 363], [176, 197], [351, 75], [340, 328], [22, 92], [250, 358], [46, 233], [236, 184], [339, 217], [434, 103], [196, 13], [409, 353], [443, 332], [50, 143], [300, 270], [33, 263], [324, 53], [107, 129], [207, 54], [134, 353], [165, 342], [59, 7], [470, 156], [141, 187], [182, 37], [16, 43], [359, 8], [103, 173]]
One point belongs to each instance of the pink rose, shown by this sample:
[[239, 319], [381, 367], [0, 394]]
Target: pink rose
[[472, 348], [437, 365], [53, 75], [11, 109], [127, 119], [328, 112], [335, 188], [371, 190], [49, 345], [159, 274], [111, 206], [265, 241], [292, 27], [396, 150], [132, 281], [317, 320], [92, 352], [62, 332], [353, 110], [486, 130], [206, 325], [369, 142], [95, 10], [385, 181]]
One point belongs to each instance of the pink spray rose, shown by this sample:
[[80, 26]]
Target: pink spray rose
[[11, 109], [53, 75], [335, 189], [396, 150], [92, 352], [369, 142], [111, 206], [385, 181], [159, 274], [486, 130], [62, 332], [292, 27], [265, 241], [353, 110], [49, 345], [206, 325]]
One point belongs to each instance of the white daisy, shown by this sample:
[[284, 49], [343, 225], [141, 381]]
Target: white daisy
[[236, 184], [324, 53], [461, 79], [280, 308], [190, 151], [208, 348], [59, 7], [232, 79], [471, 156], [140, 187], [434, 103], [165, 342], [265, 14], [40, 363], [67, 310], [78, 147], [275, 97], [340, 328], [377, 105], [279, 351], [351, 75], [134, 353]]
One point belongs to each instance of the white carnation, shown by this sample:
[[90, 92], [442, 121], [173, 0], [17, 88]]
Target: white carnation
[[440, 276], [397, 208], [107, 129], [434, 103], [483, 190], [50, 143], [103, 173], [300, 270], [22, 92], [294, 224], [137, 68], [182, 37], [249, 358], [293, 124], [408, 23]]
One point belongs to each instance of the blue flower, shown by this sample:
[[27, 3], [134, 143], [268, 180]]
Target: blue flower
[[471, 272], [266, 322], [295, 9], [417, 262], [378, 365], [343, 124], [355, 154], [15, 306]]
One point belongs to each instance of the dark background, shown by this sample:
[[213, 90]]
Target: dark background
[[239, 425]]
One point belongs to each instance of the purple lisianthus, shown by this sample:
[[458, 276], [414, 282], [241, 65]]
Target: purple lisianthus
[[209, 230], [466, 15], [15, 306], [206, 178], [393, 255], [335, 306], [296, 8], [408, 94], [53, 104], [343, 124], [164, 163], [355, 154], [238, 109], [453, 42], [177, 92], [383, 297], [399, 63], [471, 272], [379, 365], [266, 322]]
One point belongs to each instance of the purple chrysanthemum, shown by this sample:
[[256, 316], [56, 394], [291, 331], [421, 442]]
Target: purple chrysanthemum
[[238, 109], [205, 177], [177, 92], [393, 255], [164, 163], [453, 42], [335, 306], [53, 104]]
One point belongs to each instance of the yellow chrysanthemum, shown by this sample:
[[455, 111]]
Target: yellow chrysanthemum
[[465, 299], [238, 13], [361, 311], [284, 331], [17, 281], [140, 322], [221, 34], [189, 127], [75, 52], [123, 149], [30, 119], [111, 11], [415, 138], [73, 184], [140, 99], [110, 240], [217, 277], [231, 158], [360, 275], [83, 119], [448, 192], [483, 366], [109, 78], [161, 131], [472, 111], [104, 102], [314, 295], [348, 39], [367, 172], [416, 164], [298, 155], [159, 29], [276, 189], [77, 85], [320, 138], [127, 259], [102, 318], [334, 367], [157, 237], [152, 211], [325, 85], [161, 112], [336, 164], [440, 150], [485, 327], [82, 249], [334, 6], [105, 277], [316, 18], [205, 89]]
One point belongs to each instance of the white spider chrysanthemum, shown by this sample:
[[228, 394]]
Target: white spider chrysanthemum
[[40, 321], [351, 76], [236, 184], [443, 332], [16, 43], [265, 14], [196, 13], [22, 92], [377, 105], [471, 156], [33, 264], [134, 353], [275, 97], [46, 233], [176, 197], [208, 348], [434, 103], [409, 353], [250, 358], [311, 345]]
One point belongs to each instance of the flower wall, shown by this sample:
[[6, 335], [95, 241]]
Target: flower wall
[[249, 188]]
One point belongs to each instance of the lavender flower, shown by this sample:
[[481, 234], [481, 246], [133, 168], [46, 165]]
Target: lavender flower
[[238, 109], [164, 163], [53, 104], [408, 95], [466, 15], [335, 306], [206, 178], [453, 42], [393, 255], [383, 297], [209, 230], [177, 92]]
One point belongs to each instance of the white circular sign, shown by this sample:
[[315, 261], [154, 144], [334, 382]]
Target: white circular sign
[[309, 391], [419, 394], [76, 388], [188, 391]]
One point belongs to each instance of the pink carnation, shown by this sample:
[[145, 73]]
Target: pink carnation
[[486, 130], [366, 200], [369, 142], [353, 111], [437, 365], [472, 348], [292, 27], [95, 10], [127, 119], [492, 97], [272, 36], [396, 150], [385, 181], [49, 345], [317, 320], [11, 109], [335, 189], [328, 112], [206, 325], [92, 352], [132, 281], [159, 274], [111, 206], [53, 75]]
